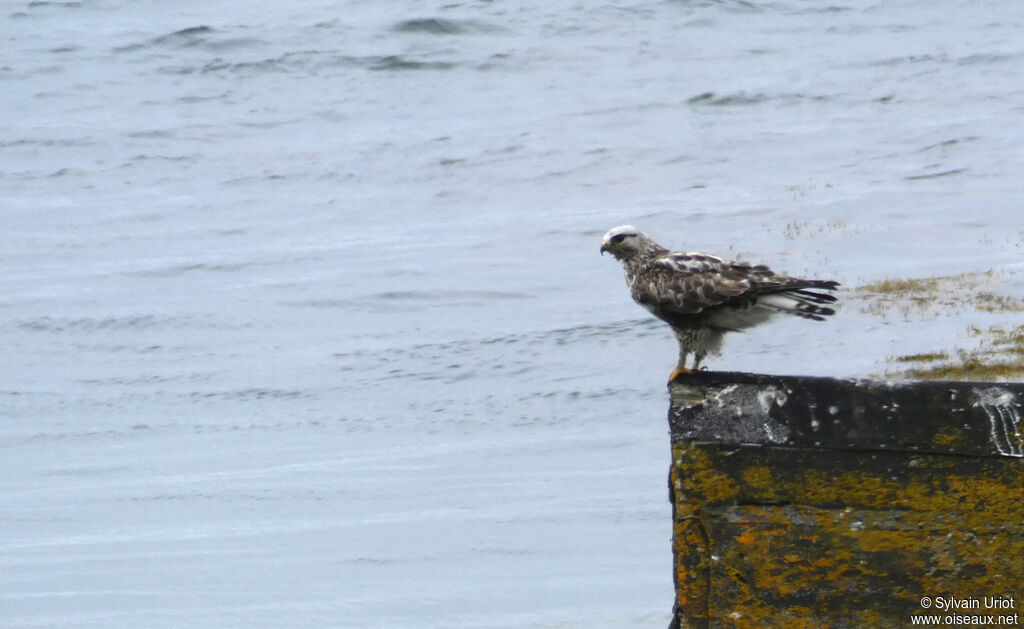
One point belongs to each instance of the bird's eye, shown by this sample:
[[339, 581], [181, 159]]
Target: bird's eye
[[618, 237]]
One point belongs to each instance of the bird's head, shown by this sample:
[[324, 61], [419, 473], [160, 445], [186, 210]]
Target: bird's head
[[627, 241]]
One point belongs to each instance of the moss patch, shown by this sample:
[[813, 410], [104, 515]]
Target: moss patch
[[936, 296], [921, 358], [999, 356], [996, 354], [805, 230]]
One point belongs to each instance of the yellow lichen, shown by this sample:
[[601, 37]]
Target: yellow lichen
[[938, 527], [746, 538], [948, 439], [758, 476], [701, 480]]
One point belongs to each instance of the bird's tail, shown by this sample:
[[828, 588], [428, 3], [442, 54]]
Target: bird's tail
[[801, 302]]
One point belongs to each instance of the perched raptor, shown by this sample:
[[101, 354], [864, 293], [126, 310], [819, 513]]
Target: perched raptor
[[702, 296]]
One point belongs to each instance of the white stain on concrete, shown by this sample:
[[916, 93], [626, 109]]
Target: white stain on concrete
[[1003, 412]]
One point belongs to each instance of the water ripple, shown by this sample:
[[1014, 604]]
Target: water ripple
[[61, 325], [438, 26]]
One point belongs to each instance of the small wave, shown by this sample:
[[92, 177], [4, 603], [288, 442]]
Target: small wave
[[946, 143], [63, 5], [448, 295], [741, 98], [219, 65], [183, 37], [149, 380], [893, 61], [189, 33], [434, 26], [310, 61], [62, 142], [945, 173], [194, 98], [438, 26], [408, 300], [89, 470], [202, 36], [127, 322], [120, 348], [190, 267], [398, 62], [254, 393], [985, 58], [149, 133], [138, 159], [63, 324]]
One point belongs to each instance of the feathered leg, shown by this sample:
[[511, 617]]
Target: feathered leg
[[697, 358], [683, 352], [700, 343]]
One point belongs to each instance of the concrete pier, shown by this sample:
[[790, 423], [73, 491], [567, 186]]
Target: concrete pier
[[818, 502]]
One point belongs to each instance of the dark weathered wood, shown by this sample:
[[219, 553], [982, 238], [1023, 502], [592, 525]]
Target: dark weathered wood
[[814, 502]]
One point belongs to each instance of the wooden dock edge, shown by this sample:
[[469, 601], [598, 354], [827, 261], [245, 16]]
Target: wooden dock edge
[[818, 502]]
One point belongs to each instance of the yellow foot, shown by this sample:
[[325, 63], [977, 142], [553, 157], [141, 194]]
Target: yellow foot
[[678, 371]]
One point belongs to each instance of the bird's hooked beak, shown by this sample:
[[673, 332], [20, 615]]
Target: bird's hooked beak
[[604, 247]]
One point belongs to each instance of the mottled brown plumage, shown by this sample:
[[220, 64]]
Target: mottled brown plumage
[[702, 296]]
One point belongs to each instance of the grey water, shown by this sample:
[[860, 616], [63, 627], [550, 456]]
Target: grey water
[[303, 318]]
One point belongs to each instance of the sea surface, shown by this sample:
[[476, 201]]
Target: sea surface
[[303, 317]]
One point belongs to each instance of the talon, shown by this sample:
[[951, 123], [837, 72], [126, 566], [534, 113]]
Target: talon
[[678, 371]]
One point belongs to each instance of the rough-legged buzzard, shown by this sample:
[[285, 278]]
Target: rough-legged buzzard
[[702, 296]]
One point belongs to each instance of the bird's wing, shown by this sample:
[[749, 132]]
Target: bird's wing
[[689, 283]]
